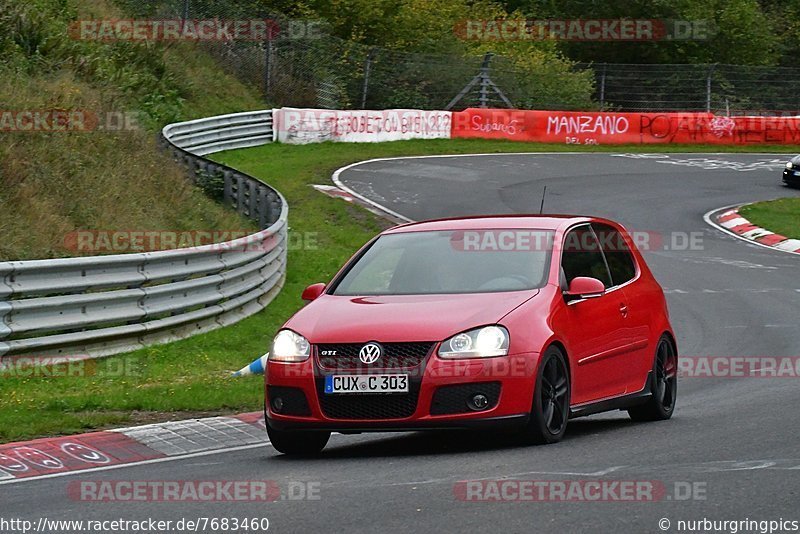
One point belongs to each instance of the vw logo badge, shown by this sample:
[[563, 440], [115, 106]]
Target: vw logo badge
[[370, 353]]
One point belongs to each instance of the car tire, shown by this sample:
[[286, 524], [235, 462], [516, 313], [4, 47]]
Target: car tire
[[551, 395], [664, 387], [298, 442]]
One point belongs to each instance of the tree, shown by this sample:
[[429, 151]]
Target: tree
[[741, 32]]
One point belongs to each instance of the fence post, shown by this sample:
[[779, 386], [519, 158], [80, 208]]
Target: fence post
[[603, 87], [268, 67], [485, 80], [367, 68], [708, 87]]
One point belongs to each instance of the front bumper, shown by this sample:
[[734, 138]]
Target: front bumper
[[790, 178], [512, 377]]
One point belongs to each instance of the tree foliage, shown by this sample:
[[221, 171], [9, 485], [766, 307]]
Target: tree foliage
[[749, 32], [743, 32]]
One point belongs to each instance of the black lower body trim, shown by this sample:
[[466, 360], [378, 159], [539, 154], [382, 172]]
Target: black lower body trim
[[617, 403], [509, 421]]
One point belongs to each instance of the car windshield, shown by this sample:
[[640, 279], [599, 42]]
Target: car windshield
[[470, 261]]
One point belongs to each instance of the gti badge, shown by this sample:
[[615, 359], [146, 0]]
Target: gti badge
[[370, 353]]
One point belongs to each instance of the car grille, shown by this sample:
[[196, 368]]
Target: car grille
[[396, 355]]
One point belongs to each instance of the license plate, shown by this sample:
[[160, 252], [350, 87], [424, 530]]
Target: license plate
[[366, 384]]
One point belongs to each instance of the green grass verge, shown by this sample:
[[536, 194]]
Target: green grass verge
[[54, 183], [191, 377], [781, 216]]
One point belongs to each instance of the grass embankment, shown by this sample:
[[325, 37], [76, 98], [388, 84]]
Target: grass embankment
[[190, 377], [781, 216], [109, 178]]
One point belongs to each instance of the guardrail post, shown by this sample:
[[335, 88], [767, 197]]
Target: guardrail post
[[252, 200], [227, 177], [263, 207], [240, 194]]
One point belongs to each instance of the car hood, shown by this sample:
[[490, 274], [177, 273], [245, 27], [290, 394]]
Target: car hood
[[341, 319]]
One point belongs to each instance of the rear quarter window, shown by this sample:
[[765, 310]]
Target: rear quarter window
[[618, 255]]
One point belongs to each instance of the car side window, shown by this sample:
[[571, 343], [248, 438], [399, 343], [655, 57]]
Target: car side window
[[581, 256], [618, 255]]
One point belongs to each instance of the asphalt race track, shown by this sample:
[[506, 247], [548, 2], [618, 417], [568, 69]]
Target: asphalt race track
[[738, 439]]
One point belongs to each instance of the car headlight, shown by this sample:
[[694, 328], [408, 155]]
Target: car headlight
[[789, 164], [289, 346], [485, 342]]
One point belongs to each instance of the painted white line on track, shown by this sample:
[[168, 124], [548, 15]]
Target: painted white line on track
[[601, 473], [336, 176], [376, 205]]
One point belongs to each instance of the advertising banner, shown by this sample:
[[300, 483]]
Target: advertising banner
[[300, 126], [595, 128]]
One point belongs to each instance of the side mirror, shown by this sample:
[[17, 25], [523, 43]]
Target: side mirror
[[313, 291], [584, 287]]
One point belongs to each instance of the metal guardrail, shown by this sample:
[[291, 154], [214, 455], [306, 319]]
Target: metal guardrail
[[96, 306]]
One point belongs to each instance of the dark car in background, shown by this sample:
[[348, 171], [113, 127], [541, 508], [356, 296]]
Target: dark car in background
[[791, 174]]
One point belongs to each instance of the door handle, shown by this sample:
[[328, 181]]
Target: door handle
[[623, 309]]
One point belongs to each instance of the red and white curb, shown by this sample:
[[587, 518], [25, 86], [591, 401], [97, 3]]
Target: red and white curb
[[348, 195], [334, 192], [732, 222], [51, 457]]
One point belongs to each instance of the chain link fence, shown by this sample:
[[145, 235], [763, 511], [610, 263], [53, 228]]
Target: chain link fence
[[717, 88], [332, 73], [328, 72]]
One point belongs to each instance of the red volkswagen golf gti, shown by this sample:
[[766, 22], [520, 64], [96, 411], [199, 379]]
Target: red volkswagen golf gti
[[517, 321]]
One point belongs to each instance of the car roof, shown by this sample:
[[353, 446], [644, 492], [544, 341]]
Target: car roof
[[486, 222]]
